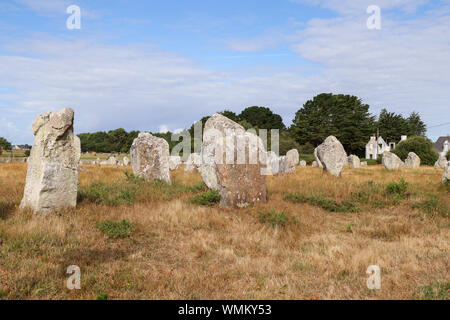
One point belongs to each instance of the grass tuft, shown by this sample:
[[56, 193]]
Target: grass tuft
[[116, 230], [209, 198]]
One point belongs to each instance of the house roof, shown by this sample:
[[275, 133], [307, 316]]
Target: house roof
[[439, 145]]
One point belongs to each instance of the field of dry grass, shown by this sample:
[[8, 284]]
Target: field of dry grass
[[314, 239]]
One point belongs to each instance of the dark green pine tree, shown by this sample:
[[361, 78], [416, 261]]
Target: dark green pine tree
[[262, 118], [343, 116]]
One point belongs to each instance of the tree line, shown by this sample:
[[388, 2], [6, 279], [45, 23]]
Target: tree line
[[344, 116]]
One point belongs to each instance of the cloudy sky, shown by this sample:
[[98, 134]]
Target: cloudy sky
[[155, 65]]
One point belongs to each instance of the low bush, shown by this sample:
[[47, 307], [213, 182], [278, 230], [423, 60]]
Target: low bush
[[116, 230], [320, 201], [276, 219], [209, 198], [421, 146], [434, 291], [397, 188]]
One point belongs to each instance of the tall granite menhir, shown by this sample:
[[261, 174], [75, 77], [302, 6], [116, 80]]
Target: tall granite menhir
[[150, 157], [52, 176]]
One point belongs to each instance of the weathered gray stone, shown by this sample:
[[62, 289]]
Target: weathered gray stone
[[441, 162], [446, 175], [242, 181], [272, 163], [150, 157], [332, 156], [354, 162], [217, 128], [87, 162], [52, 175], [292, 159], [391, 161], [126, 161], [112, 161], [174, 162], [412, 161], [314, 164], [364, 164], [282, 165], [302, 163], [192, 163]]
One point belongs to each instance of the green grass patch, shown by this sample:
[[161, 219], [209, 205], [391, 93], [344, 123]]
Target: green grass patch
[[134, 189], [322, 202], [434, 291], [399, 189], [432, 207], [275, 218], [209, 198], [103, 296], [116, 230]]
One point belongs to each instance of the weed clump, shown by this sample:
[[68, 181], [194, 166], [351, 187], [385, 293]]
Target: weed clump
[[397, 188], [322, 202], [209, 198], [274, 218], [116, 230]]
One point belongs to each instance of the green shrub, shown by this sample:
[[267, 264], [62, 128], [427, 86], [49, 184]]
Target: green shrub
[[276, 219], [397, 188], [448, 155], [102, 296], [209, 198], [133, 188], [421, 146], [428, 206], [113, 195], [434, 291], [116, 230], [320, 201]]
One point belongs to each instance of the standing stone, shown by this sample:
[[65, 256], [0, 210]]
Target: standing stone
[[272, 163], [292, 159], [174, 162], [243, 181], [150, 157], [314, 164], [318, 162], [217, 128], [192, 163], [112, 161], [364, 164], [52, 175], [302, 163], [354, 162], [126, 161], [412, 161], [282, 165], [446, 175], [441, 162], [391, 161], [332, 156]]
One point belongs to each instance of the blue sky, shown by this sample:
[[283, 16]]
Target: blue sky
[[148, 65]]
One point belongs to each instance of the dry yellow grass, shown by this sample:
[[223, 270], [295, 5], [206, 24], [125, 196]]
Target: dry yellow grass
[[178, 250]]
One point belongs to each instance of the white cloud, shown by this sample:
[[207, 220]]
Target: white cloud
[[403, 67], [163, 129], [359, 6], [136, 88]]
